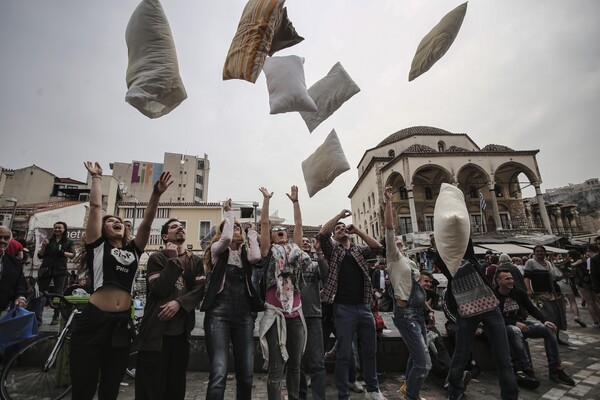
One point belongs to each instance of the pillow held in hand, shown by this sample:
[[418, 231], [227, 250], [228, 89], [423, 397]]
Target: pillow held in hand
[[252, 40], [325, 164], [287, 88], [329, 94], [452, 226], [437, 42], [155, 86]]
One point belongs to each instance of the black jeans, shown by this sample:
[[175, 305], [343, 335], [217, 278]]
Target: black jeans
[[59, 287], [99, 353], [160, 375]]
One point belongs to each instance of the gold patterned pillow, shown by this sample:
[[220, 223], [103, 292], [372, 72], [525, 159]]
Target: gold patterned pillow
[[252, 41]]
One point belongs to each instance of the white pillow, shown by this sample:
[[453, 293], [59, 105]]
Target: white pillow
[[451, 226], [155, 87], [325, 164], [437, 42], [329, 94], [287, 88]]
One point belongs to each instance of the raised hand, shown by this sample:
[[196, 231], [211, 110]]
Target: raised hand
[[227, 205], [351, 229], [345, 213], [163, 182], [293, 195], [93, 168], [171, 250], [388, 193], [265, 192]]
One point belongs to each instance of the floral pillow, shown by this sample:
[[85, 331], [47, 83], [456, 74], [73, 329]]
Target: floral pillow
[[437, 42], [252, 41], [155, 87], [329, 94], [325, 164], [287, 88], [451, 226]]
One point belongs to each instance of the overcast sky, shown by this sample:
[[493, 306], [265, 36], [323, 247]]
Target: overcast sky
[[521, 73]]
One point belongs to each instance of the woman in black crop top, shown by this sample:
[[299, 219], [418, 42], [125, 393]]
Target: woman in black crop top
[[100, 339]]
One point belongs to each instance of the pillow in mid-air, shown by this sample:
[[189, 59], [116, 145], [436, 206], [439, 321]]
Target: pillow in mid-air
[[329, 94], [325, 164], [287, 88], [155, 86], [452, 226], [285, 35], [252, 40], [437, 42]]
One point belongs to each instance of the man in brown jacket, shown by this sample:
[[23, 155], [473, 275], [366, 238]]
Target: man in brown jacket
[[175, 286]]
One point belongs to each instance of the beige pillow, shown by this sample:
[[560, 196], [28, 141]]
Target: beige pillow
[[155, 87], [252, 41], [451, 226], [325, 164], [285, 35], [329, 94], [287, 88], [435, 44]]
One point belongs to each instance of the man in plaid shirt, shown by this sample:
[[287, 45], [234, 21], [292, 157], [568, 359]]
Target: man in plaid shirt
[[348, 288]]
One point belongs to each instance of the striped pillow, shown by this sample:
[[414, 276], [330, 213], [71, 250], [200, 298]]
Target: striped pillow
[[253, 38]]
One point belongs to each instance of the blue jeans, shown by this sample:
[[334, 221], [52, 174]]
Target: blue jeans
[[230, 319], [495, 330], [351, 319], [411, 324], [295, 340], [516, 338], [315, 361]]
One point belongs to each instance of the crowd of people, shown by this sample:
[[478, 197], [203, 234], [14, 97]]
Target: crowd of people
[[301, 285]]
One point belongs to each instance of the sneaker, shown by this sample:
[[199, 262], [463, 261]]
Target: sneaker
[[374, 396], [403, 392], [54, 321], [356, 387], [466, 378], [526, 381], [580, 322], [558, 375], [528, 370]]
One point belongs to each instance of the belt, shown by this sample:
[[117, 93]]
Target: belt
[[401, 303]]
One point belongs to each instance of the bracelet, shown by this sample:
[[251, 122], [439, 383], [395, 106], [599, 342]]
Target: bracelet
[[97, 176], [294, 201]]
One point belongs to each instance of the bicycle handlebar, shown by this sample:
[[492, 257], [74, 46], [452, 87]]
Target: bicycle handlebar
[[63, 301]]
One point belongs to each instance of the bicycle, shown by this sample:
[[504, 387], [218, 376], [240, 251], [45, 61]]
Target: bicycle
[[40, 368]]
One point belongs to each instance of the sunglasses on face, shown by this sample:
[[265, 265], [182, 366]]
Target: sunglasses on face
[[277, 229], [5, 237]]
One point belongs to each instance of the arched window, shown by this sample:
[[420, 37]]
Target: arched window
[[403, 193], [441, 146], [498, 190], [428, 194], [473, 192], [391, 153]]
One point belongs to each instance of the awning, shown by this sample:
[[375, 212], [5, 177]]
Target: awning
[[549, 249], [479, 250], [507, 248]]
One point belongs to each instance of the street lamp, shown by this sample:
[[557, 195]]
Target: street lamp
[[14, 210]]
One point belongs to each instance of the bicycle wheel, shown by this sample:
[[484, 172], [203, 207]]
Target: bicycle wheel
[[25, 376]]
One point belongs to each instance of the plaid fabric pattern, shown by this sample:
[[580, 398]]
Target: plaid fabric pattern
[[334, 254]]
